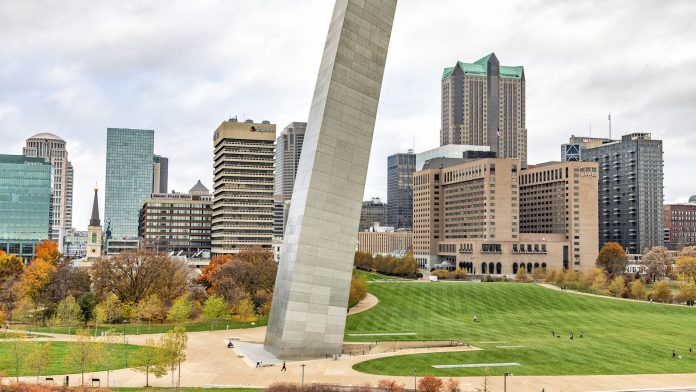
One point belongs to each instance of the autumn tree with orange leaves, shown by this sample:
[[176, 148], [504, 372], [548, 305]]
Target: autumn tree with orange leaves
[[207, 276], [48, 251]]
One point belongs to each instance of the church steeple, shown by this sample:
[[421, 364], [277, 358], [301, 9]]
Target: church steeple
[[94, 221], [94, 231]]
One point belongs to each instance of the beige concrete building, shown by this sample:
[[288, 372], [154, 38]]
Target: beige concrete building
[[243, 186], [52, 148], [561, 198], [385, 242], [490, 217], [483, 104]]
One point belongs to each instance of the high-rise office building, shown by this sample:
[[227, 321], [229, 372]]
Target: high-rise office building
[[483, 103], [176, 222], [630, 191], [287, 158], [373, 211], [572, 151], [129, 155], [160, 174], [52, 148], [25, 203], [680, 224], [243, 181], [489, 217], [400, 169]]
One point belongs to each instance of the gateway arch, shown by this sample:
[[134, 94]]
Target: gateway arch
[[310, 300]]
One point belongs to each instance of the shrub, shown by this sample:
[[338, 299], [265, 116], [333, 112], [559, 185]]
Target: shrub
[[358, 290], [661, 292], [522, 274], [361, 388], [687, 293], [638, 290], [390, 385], [283, 387], [430, 384], [452, 386], [617, 286], [441, 274], [458, 274]]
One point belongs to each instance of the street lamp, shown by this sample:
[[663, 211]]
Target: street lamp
[[415, 388], [302, 385], [505, 376], [125, 339]]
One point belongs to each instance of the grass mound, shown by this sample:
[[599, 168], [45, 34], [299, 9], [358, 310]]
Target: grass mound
[[60, 363], [620, 337]]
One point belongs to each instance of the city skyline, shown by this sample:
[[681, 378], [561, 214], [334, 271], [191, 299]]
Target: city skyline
[[143, 81]]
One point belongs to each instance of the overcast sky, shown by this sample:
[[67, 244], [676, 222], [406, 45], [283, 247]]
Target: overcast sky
[[181, 67]]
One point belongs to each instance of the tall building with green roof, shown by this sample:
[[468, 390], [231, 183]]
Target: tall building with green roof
[[25, 203], [483, 104]]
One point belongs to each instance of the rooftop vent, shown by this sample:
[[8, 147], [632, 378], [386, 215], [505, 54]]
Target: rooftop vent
[[265, 122], [249, 121], [233, 119]]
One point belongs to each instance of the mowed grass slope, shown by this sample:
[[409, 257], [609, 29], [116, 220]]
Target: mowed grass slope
[[60, 361], [621, 337], [152, 328]]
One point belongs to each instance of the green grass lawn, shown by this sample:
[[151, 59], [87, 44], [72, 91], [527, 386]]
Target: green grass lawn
[[60, 364], [141, 329], [621, 337], [373, 276]]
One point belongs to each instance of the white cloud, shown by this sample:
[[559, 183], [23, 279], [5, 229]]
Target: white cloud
[[181, 67]]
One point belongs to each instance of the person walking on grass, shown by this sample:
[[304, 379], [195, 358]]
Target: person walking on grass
[[475, 319], [284, 369], [674, 354], [553, 334], [582, 333]]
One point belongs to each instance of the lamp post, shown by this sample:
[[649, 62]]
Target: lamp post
[[302, 385], [125, 339], [505, 376], [415, 388]]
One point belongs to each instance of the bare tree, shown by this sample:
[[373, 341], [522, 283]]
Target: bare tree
[[39, 358], [253, 270], [657, 262], [151, 360], [84, 352], [133, 276], [18, 351]]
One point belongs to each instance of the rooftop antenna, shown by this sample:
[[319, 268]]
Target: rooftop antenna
[[609, 125], [414, 142], [590, 130]]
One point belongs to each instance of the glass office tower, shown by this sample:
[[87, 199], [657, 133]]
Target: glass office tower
[[129, 155], [400, 169], [25, 203]]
